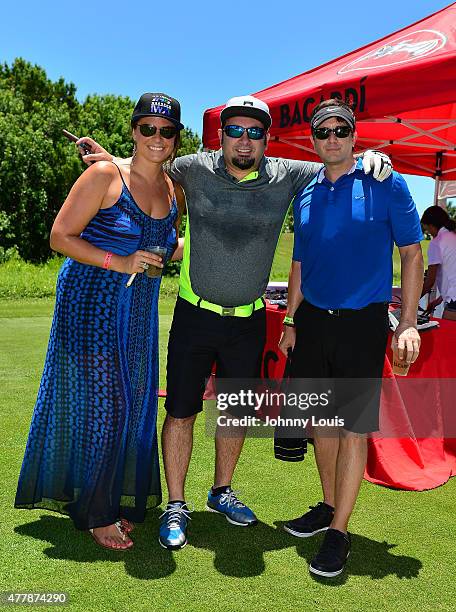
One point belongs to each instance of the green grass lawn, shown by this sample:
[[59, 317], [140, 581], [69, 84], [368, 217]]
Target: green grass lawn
[[19, 279], [403, 542]]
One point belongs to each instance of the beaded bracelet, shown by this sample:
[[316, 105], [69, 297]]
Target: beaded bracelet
[[289, 321], [107, 260]]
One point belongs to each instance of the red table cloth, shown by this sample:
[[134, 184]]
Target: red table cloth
[[410, 462]]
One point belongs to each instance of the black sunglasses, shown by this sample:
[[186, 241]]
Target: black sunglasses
[[236, 131], [341, 131], [167, 132]]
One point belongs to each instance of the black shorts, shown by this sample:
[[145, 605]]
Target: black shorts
[[348, 344], [198, 339]]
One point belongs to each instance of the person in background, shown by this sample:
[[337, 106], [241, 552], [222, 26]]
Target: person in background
[[441, 259], [92, 448]]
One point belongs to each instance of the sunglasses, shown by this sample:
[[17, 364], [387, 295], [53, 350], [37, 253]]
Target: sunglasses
[[167, 132], [236, 131], [341, 131]]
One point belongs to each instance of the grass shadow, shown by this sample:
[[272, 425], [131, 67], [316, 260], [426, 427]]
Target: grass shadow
[[146, 561], [239, 551], [367, 558]]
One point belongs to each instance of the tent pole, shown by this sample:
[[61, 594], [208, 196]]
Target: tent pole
[[436, 191], [438, 174]]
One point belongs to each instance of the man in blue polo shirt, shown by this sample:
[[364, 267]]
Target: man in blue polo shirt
[[340, 283]]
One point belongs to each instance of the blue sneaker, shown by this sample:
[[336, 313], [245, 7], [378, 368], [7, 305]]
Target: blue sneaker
[[234, 510], [173, 526]]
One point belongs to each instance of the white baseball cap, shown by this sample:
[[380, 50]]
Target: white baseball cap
[[247, 106]]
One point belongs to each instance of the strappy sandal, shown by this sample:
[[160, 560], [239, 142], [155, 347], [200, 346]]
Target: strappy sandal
[[122, 533], [126, 525]]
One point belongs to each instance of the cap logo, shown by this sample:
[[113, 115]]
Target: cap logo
[[248, 103], [406, 48], [161, 106]]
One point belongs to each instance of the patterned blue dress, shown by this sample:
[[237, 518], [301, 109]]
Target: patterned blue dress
[[92, 448]]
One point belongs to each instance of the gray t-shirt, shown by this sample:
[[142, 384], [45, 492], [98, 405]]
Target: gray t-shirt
[[234, 225]]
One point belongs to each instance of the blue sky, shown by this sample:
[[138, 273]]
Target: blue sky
[[202, 52]]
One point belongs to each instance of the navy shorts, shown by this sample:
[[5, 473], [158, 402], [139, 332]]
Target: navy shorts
[[198, 339]]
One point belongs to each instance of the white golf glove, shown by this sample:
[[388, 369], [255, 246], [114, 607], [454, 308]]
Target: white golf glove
[[379, 163]]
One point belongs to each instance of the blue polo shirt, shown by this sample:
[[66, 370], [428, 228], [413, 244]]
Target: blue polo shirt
[[344, 233]]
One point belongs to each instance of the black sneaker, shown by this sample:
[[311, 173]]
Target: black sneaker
[[317, 519], [330, 559]]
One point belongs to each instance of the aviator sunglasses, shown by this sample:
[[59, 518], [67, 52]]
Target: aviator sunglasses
[[167, 132], [236, 131], [341, 131]]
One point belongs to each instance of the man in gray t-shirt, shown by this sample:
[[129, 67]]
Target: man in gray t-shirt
[[237, 200]]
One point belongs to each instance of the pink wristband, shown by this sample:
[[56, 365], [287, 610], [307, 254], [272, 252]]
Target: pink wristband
[[107, 260]]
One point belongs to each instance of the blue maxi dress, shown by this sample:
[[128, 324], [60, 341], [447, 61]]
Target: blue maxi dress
[[92, 449]]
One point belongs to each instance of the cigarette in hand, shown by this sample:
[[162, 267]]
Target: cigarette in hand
[[131, 279]]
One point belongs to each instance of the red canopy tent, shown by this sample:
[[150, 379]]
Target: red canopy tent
[[403, 91]]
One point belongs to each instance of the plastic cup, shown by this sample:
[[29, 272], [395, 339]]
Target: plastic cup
[[400, 366], [155, 271]]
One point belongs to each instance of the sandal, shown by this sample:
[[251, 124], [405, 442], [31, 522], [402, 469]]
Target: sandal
[[122, 533], [126, 525]]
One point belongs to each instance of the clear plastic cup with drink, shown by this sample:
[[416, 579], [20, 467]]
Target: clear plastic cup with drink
[[155, 271]]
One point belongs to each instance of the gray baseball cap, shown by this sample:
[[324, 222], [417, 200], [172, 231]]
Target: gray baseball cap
[[333, 111]]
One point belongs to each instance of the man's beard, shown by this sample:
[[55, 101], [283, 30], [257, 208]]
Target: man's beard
[[243, 163]]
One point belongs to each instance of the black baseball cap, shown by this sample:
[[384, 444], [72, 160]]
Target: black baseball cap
[[158, 105]]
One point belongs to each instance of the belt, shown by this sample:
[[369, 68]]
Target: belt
[[235, 311], [343, 312]]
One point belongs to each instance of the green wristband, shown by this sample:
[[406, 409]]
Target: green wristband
[[289, 321]]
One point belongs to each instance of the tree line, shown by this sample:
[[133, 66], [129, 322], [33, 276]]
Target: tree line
[[37, 164]]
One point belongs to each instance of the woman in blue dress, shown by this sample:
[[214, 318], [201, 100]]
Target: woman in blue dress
[[92, 446]]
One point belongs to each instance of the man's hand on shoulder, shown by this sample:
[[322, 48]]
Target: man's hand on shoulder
[[97, 153], [379, 163]]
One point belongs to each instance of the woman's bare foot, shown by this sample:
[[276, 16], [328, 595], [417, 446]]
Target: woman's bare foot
[[111, 537]]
